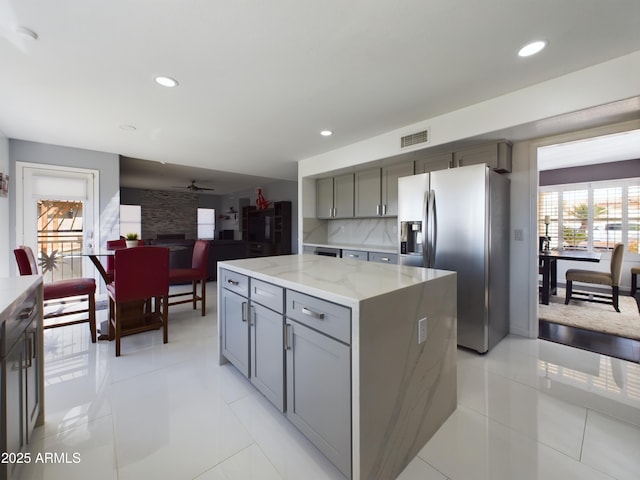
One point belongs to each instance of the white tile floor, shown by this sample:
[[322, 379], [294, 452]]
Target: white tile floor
[[527, 410]]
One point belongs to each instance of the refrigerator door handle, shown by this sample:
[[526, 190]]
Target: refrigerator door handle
[[425, 233], [433, 228]]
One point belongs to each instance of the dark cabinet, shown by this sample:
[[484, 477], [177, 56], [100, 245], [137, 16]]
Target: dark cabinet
[[268, 231]]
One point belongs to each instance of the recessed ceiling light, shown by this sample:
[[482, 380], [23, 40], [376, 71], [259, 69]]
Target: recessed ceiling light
[[532, 48], [166, 81], [128, 128], [326, 133]]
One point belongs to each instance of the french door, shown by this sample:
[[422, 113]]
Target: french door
[[57, 216]]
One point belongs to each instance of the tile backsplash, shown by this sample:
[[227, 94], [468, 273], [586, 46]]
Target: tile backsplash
[[380, 232]]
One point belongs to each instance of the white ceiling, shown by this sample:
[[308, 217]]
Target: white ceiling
[[606, 148], [259, 80]]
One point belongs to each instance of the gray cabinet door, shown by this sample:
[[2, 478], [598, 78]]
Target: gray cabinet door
[[235, 330], [496, 155], [434, 162], [267, 353], [319, 392], [389, 187], [15, 423], [367, 193], [343, 196], [324, 197]]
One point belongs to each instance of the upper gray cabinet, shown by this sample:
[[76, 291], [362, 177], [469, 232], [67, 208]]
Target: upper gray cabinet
[[432, 163], [334, 197], [496, 155], [376, 190]]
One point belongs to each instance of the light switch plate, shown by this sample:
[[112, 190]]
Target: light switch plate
[[422, 330]]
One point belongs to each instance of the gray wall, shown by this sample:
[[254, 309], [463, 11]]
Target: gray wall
[[4, 209]]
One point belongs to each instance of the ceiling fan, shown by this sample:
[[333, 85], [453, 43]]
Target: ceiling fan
[[194, 188]]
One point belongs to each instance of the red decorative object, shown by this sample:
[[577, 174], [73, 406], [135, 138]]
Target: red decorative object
[[261, 203]]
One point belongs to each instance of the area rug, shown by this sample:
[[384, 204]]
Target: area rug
[[594, 316]]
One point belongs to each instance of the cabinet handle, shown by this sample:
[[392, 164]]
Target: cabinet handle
[[244, 311], [264, 293], [351, 255], [287, 336], [384, 259], [233, 282], [313, 314], [377, 209], [252, 315], [384, 209], [26, 313]]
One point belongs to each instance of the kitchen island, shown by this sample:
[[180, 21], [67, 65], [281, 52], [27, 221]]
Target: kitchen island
[[21, 369], [359, 356]]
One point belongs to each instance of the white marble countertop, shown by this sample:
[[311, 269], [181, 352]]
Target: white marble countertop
[[354, 246], [339, 280], [13, 289]]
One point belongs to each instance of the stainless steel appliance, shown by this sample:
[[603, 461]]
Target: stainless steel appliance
[[458, 219]]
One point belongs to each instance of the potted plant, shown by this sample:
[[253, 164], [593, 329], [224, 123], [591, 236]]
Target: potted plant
[[131, 239]]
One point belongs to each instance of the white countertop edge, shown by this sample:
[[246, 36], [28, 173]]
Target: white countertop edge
[[405, 276], [13, 290]]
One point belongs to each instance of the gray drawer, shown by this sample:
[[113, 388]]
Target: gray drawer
[[355, 254], [268, 295], [383, 257], [235, 282], [326, 317]]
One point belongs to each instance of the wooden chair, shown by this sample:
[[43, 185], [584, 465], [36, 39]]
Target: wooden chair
[[61, 292], [141, 274], [611, 278], [194, 275], [635, 271]]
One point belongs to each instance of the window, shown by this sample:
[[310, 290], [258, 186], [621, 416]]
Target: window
[[131, 220], [206, 223], [592, 216]]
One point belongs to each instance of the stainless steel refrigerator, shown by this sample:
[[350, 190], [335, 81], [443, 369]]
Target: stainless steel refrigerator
[[458, 219]]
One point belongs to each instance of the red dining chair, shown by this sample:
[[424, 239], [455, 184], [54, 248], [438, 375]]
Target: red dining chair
[[141, 274], [196, 274], [113, 245], [60, 292]]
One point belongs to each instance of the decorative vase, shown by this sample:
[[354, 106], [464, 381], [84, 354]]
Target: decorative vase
[[131, 243]]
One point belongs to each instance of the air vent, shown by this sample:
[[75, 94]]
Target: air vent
[[414, 139]]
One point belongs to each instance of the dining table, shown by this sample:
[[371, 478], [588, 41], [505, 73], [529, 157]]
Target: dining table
[[134, 312], [548, 261]]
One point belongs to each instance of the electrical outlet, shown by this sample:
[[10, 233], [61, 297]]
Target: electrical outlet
[[422, 330], [518, 235]]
